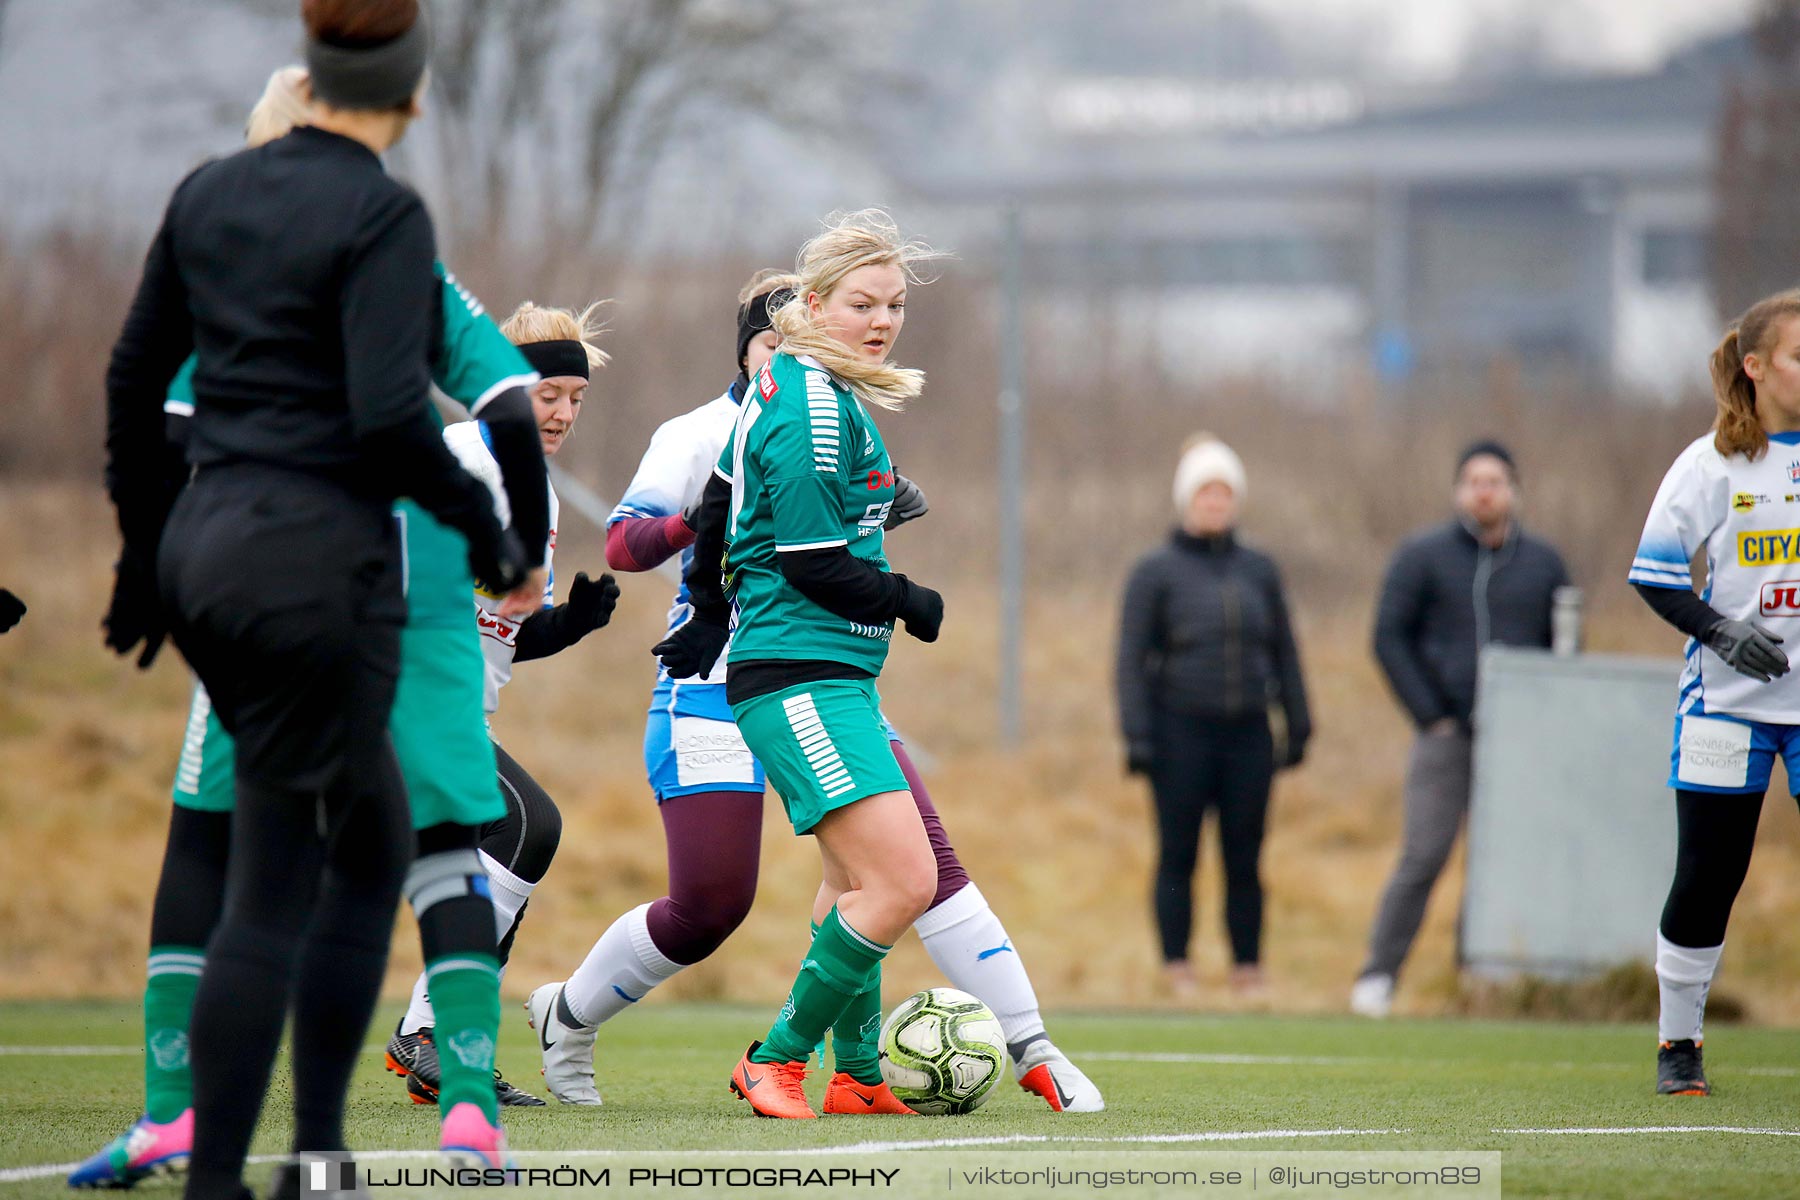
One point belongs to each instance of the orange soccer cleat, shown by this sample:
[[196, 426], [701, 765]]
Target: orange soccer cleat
[[846, 1097], [773, 1089]]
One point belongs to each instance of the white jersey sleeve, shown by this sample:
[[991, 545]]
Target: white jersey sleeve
[[499, 635], [674, 468], [1692, 503]]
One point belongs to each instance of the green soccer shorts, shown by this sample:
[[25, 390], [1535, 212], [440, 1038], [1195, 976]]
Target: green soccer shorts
[[823, 745], [438, 728]]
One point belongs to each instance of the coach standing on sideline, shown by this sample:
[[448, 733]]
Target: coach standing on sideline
[[1451, 590]]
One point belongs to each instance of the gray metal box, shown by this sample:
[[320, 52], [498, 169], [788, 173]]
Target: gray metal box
[[1571, 826]]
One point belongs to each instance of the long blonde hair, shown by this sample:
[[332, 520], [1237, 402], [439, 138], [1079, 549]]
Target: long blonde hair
[[539, 323], [1736, 428], [867, 238], [282, 106]]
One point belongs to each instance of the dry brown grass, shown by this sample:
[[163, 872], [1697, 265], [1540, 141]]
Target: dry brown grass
[[1057, 836]]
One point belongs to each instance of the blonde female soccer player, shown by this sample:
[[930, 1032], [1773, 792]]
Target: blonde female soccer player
[[1738, 706], [794, 513]]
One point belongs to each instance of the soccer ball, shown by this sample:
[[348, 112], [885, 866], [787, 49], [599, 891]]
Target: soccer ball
[[942, 1052]]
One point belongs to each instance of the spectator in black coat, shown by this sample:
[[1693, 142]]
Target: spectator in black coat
[[1204, 649], [1450, 590]]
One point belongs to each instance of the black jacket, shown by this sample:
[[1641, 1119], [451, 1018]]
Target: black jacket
[[1205, 632], [1446, 596]]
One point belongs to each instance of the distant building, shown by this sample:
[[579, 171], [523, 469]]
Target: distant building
[[1282, 226]]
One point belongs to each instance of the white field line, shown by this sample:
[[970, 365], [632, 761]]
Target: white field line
[[1319, 1060], [71, 1051], [1634, 1129], [50, 1170]]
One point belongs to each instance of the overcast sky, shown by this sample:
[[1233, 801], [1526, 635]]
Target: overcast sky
[[1433, 36]]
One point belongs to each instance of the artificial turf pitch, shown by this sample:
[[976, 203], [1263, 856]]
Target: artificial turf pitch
[[71, 1077]]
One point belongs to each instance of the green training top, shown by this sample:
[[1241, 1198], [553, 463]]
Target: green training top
[[474, 364], [808, 470]]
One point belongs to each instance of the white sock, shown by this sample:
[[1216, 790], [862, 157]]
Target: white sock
[[509, 892], [969, 945], [418, 1013], [1683, 975], [619, 971]]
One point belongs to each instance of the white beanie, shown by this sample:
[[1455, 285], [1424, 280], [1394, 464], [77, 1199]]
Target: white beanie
[[1207, 461]]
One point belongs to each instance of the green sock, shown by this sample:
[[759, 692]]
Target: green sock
[[856, 1034], [837, 967], [465, 996], [173, 978]]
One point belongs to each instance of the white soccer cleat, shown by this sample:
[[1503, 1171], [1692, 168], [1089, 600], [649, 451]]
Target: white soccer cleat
[[568, 1047], [1047, 1071], [1372, 996]]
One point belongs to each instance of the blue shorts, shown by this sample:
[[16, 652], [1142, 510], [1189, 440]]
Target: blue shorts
[[692, 743], [1713, 752]]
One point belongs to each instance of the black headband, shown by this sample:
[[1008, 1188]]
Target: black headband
[[384, 75], [753, 318], [561, 357]]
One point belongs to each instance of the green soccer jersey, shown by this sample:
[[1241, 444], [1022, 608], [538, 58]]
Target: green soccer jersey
[[808, 470], [474, 364]]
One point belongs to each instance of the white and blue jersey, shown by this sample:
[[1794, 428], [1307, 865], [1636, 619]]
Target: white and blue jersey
[[691, 742], [1745, 517]]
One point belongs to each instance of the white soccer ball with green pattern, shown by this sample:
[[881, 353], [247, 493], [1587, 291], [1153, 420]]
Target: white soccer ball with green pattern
[[942, 1052]]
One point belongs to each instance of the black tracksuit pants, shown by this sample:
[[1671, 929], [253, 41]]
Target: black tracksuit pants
[[284, 594], [1224, 764]]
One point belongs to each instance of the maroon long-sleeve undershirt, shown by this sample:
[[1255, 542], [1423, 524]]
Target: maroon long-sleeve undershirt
[[641, 543]]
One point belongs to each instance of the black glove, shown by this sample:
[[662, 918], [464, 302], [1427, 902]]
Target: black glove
[[591, 604], [909, 503], [1293, 749], [922, 609], [498, 567], [135, 613], [11, 609], [693, 648], [1747, 649], [1139, 758]]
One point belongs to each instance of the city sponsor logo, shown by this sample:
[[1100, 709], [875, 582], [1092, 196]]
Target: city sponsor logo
[[1745, 501], [1768, 547], [1781, 598], [765, 383]]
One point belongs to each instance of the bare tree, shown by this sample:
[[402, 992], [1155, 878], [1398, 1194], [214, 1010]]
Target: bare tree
[[589, 93], [1756, 243]]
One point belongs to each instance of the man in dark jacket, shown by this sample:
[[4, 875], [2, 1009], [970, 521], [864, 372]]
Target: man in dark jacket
[[1450, 590]]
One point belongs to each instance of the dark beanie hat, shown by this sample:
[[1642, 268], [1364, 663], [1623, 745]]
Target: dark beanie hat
[[1490, 447]]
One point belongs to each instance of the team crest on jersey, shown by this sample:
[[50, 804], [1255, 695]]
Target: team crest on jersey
[[765, 383], [1794, 472]]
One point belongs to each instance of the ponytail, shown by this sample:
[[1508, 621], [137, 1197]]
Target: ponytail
[[1737, 429]]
